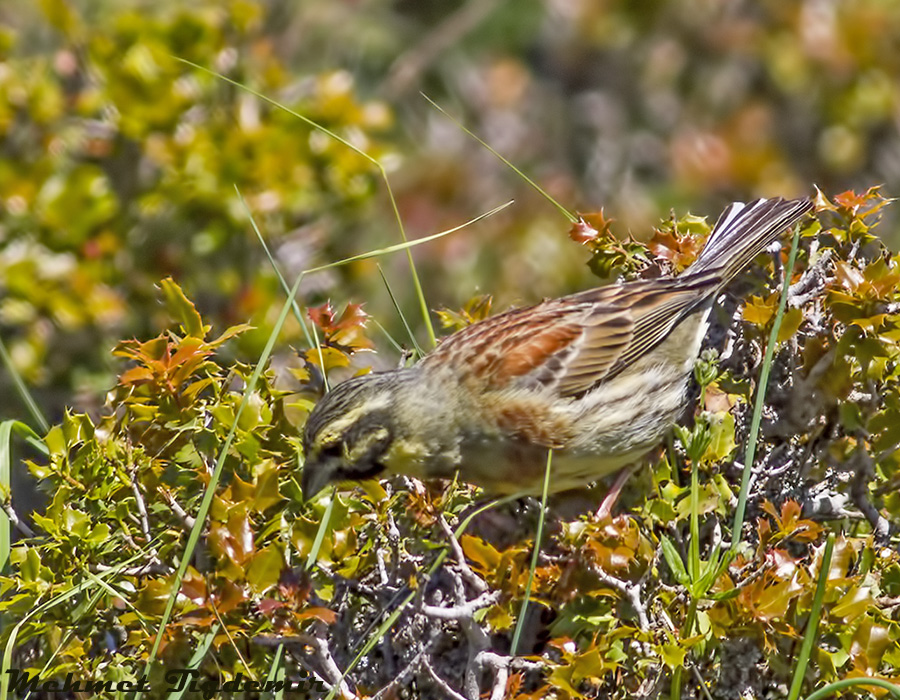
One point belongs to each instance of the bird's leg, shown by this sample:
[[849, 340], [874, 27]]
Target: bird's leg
[[604, 512]]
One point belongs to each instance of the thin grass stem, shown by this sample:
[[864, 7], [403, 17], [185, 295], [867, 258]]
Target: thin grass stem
[[412, 337], [833, 688], [520, 623], [565, 212], [750, 453], [298, 314], [812, 624], [23, 391]]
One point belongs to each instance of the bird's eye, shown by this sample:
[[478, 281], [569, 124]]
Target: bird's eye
[[332, 449]]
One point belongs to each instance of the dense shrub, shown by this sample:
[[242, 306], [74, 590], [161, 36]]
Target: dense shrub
[[619, 604]]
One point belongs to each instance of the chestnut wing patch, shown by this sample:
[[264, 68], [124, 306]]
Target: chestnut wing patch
[[558, 344], [573, 343]]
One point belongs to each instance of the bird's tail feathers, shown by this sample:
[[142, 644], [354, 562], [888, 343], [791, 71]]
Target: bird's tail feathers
[[743, 231]]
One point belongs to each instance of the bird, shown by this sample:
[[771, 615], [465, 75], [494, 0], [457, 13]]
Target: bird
[[597, 377]]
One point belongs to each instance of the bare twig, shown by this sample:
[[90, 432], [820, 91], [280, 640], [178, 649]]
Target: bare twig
[[141, 507], [153, 566], [515, 663], [440, 682], [630, 591], [392, 688], [187, 520], [473, 579], [16, 522], [811, 283], [501, 677], [463, 612], [145, 519], [327, 663], [859, 492]]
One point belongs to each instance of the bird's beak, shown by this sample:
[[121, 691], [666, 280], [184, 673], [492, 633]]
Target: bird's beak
[[315, 477]]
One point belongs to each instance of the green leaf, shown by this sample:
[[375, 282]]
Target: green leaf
[[30, 566], [670, 554], [724, 595], [672, 655], [721, 434], [182, 309]]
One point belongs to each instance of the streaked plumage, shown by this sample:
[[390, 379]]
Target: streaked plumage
[[598, 376]]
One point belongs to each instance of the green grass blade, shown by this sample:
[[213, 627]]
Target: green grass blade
[[408, 244], [298, 314], [833, 688], [22, 388], [197, 658], [412, 336], [760, 401], [324, 527], [694, 553], [276, 673], [538, 538], [388, 336], [5, 491], [565, 212], [7, 428], [318, 346], [812, 624]]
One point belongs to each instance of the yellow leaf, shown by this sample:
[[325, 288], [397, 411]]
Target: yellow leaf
[[480, 553], [759, 311], [790, 324], [854, 603]]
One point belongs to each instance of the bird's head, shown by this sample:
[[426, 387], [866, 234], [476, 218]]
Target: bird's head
[[349, 432]]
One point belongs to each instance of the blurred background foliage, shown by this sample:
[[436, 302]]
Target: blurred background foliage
[[119, 164]]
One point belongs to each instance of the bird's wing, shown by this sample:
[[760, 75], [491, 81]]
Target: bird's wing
[[571, 344], [653, 309]]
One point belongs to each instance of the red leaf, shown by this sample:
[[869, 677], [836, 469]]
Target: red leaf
[[269, 606]]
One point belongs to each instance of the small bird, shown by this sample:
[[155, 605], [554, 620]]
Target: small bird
[[599, 377]]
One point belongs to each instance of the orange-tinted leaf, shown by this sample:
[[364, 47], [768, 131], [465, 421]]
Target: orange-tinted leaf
[[193, 586], [233, 540], [849, 277], [229, 596], [136, 375], [678, 249], [589, 227], [324, 614], [269, 606]]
